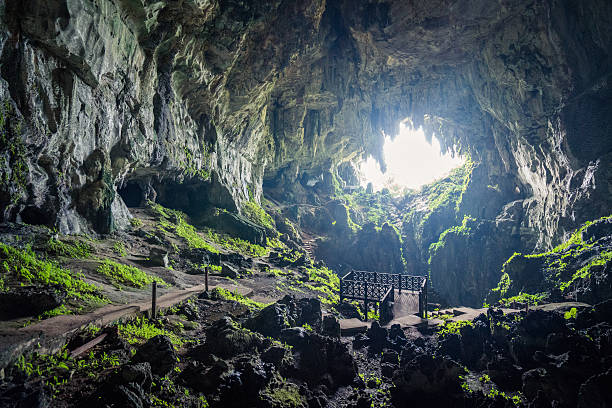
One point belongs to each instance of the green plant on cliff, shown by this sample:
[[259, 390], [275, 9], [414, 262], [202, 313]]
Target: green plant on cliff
[[23, 267], [324, 281], [175, 221], [464, 229], [258, 215]]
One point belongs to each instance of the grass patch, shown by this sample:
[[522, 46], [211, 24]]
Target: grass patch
[[119, 248], [76, 250], [237, 244], [23, 267], [141, 329], [225, 294], [126, 275], [326, 282], [452, 327]]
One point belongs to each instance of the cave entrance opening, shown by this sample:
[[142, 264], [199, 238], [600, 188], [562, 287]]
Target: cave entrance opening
[[411, 161]]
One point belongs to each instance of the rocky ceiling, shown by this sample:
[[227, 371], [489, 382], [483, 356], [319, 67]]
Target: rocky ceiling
[[110, 90]]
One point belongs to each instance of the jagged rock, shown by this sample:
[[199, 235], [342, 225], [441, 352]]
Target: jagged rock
[[425, 378], [377, 337], [203, 378], [347, 310], [270, 320], [330, 327], [25, 396], [159, 353], [158, 257], [319, 358], [237, 259], [595, 392], [137, 373], [225, 338], [229, 270], [287, 312], [29, 301]]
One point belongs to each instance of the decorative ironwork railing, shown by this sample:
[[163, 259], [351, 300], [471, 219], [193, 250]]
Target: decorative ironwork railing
[[380, 287]]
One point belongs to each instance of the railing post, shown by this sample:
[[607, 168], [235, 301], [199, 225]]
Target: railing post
[[154, 301], [341, 291], [365, 299], [426, 297], [206, 278]]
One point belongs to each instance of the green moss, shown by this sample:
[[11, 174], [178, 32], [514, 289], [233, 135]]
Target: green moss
[[452, 327], [173, 220], [119, 248], [141, 329], [237, 244], [464, 229], [258, 215], [281, 394], [136, 222], [225, 294], [585, 272], [23, 267], [325, 281], [77, 249], [571, 314], [127, 275]]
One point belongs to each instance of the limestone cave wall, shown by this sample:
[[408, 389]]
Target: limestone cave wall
[[101, 96]]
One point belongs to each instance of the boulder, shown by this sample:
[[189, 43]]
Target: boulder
[[330, 326], [137, 373], [229, 270], [427, 378], [24, 301], [225, 338], [320, 359], [159, 353]]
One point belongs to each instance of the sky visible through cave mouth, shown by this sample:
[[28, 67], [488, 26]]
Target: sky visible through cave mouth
[[411, 162]]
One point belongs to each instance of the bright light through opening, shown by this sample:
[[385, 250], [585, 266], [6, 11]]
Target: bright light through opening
[[411, 162]]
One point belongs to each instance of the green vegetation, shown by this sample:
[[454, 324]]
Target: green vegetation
[[76, 249], [452, 327], [559, 264], [225, 294], [119, 248], [585, 272], [127, 275], [23, 267], [258, 215], [533, 300], [326, 282], [237, 244], [141, 329], [189, 165], [56, 370], [571, 314], [464, 229], [281, 394], [136, 222], [173, 220]]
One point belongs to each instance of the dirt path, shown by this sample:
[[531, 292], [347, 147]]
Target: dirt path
[[50, 335]]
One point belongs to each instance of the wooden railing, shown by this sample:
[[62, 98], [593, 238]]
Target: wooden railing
[[380, 287]]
